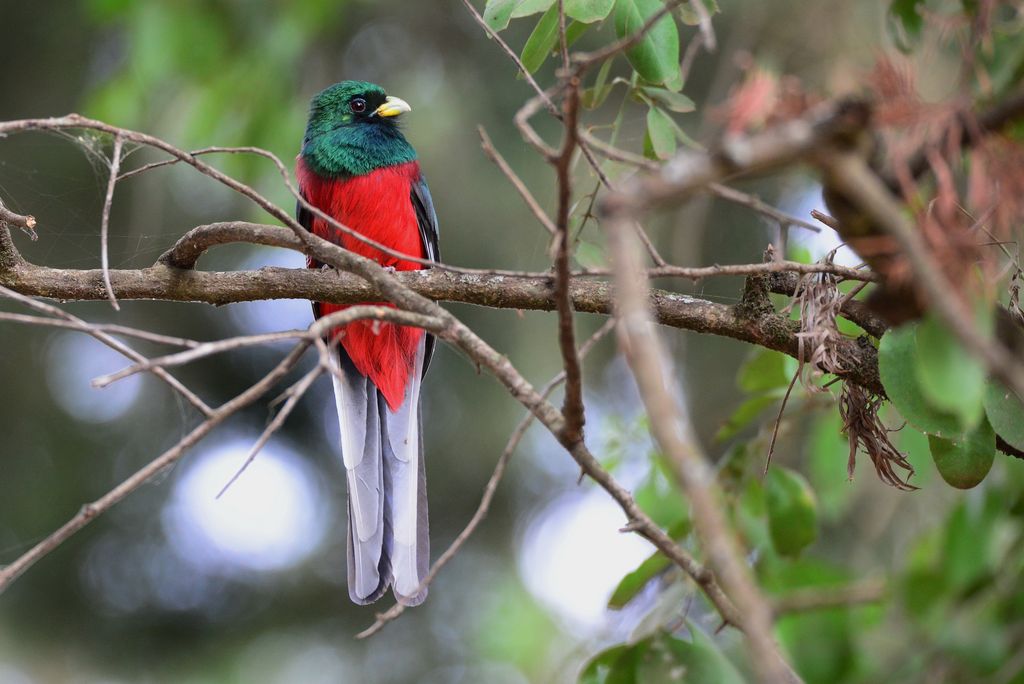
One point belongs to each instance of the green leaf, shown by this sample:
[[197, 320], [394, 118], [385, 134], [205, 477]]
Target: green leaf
[[662, 501], [594, 97], [1005, 413], [970, 538], [652, 566], [596, 671], [633, 583], [964, 461], [589, 255], [662, 658], [1004, 63], [828, 451], [904, 23], [746, 413], [766, 369], [522, 629], [573, 31], [690, 17], [701, 658], [677, 102], [663, 137], [617, 665], [542, 41], [685, 139], [525, 8], [792, 511], [588, 11], [952, 380], [819, 643], [648, 147], [497, 13], [656, 56], [897, 368]]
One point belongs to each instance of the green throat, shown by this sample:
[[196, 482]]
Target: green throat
[[343, 141]]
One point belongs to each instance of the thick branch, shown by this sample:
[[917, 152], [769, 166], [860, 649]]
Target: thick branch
[[764, 328], [776, 147], [975, 128], [670, 425]]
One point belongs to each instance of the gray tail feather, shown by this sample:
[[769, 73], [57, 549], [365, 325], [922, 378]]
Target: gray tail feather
[[411, 561], [403, 562], [383, 565]]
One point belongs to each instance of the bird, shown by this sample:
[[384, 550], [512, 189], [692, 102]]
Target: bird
[[356, 166]]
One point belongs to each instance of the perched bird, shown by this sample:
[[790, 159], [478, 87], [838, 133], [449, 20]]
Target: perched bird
[[358, 168]]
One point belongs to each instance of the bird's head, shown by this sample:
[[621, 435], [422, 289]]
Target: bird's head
[[353, 130]]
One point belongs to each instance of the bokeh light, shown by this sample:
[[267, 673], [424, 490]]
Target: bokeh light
[[273, 517], [72, 361], [573, 554]]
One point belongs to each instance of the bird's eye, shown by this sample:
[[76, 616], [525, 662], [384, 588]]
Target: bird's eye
[[358, 105]]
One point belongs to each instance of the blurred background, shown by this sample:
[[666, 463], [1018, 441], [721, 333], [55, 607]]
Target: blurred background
[[174, 585]]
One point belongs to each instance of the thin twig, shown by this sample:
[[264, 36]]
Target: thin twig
[[787, 143], [493, 35], [747, 200], [517, 183], [100, 327], [572, 407], [707, 32], [316, 330], [111, 342], [585, 60], [778, 421], [294, 394], [807, 600], [829, 221], [195, 153], [562, 42], [115, 165], [90, 511], [26, 223], [492, 486]]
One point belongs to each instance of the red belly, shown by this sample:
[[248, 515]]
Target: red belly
[[379, 206]]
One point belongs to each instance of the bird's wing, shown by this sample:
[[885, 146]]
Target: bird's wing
[[430, 235]]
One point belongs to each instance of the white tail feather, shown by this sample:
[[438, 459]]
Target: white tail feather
[[359, 422], [410, 553]]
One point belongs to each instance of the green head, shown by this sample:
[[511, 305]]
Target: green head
[[352, 131]]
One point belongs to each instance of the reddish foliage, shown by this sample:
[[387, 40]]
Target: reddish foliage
[[750, 104]]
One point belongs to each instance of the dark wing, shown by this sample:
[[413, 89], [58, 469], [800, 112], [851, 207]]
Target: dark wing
[[305, 218], [430, 236]]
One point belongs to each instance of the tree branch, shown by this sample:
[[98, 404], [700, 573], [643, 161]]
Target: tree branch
[[850, 174], [766, 329], [489, 490], [671, 428], [90, 511], [572, 406]]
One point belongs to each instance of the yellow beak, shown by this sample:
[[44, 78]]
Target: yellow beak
[[393, 106]]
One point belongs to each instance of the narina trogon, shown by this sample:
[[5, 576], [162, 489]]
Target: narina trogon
[[358, 168]]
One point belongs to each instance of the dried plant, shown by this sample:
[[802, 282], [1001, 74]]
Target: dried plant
[[819, 300], [858, 409]]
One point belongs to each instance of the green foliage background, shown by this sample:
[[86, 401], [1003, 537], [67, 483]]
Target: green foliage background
[[228, 72]]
